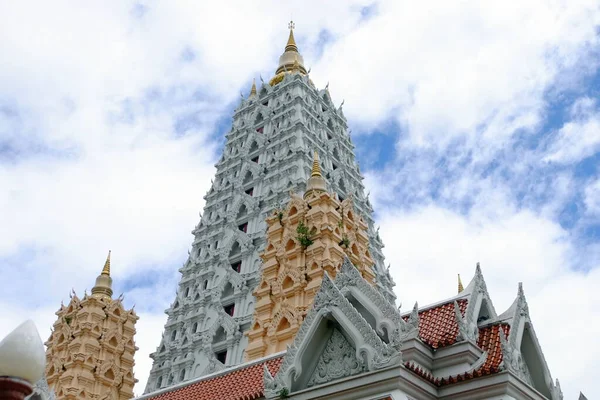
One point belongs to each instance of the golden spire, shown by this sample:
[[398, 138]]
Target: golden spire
[[316, 168], [460, 285], [315, 183], [106, 269], [290, 61], [253, 90], [291, 43], [103, 287]]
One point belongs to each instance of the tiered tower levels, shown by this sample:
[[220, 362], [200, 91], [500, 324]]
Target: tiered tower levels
[[267, 155], [91, 349], [310, 236]]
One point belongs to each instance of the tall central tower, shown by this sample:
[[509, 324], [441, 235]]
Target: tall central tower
[[268, 154]]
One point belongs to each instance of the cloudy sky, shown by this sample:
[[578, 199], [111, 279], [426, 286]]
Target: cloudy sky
[[477, 125]]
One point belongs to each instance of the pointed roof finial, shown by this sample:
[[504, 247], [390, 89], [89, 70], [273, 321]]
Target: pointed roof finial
[[315, 183], [520, 292], [291, 43], [460, 285], [316, 168], [253, 90], [290, 61], [103, 287], [106, 269]]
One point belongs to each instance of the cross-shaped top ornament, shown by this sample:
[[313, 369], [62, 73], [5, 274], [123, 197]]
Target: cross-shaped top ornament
[[291, 25]]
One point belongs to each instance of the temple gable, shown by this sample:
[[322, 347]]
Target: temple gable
[[338, 360], [331, 311]]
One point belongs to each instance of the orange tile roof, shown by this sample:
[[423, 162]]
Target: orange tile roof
[[438, 326], [489, 340], [240, 384]]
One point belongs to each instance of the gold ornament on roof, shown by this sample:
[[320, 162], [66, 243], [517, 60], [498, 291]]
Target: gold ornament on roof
[[277, 79], [316, 183], [253, 90], [103, 287], [316, 168], [106, 269], [460, 285], [291, 43], [290, 61]]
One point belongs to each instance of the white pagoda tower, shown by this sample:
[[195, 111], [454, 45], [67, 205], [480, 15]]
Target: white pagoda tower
[[268, 154]]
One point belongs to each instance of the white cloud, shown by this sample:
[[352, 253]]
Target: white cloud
[[147, 344], [580, 137], [592, 198], [428, 247], [92, 160], [446, 71]]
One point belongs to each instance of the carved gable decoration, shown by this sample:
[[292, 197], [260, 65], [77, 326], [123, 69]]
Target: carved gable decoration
[[522, 353], [337, 361], [480, 307], [355, 348], [387, 318]]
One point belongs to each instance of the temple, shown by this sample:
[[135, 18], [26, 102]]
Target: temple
[[285, 294], [268, 154], [90, 351]]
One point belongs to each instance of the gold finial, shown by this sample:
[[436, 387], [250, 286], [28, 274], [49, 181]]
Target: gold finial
[[316, 168], [315, 183], [106, 269], [291, 43], [103, 287], [253, 90], [460, 285]]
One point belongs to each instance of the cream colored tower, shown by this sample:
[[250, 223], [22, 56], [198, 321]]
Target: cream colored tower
[[90, 352], [312, 235]]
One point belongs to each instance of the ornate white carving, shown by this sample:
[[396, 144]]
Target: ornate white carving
[[338, 360], [557, 393], [330, 302], [467, 327], [41, 391], [512, 360], [521, 312], [349, 277], [413, 321]]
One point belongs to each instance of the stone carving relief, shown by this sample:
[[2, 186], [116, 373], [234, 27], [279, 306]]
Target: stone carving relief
[[41, 391], [330, 301], [349, 277], [338, 360], [467, 326], [521, 312], [512, 359]]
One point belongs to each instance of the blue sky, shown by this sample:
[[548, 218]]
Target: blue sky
[[477, 129]]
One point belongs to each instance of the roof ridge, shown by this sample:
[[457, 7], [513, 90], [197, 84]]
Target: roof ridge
[[437, 304]]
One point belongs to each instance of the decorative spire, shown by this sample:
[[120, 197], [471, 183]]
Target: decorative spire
[[460, 285], [103, 287], [316, 169], [315, 183], [106, 269], [291, 43], [253, 90], [290, 61]]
